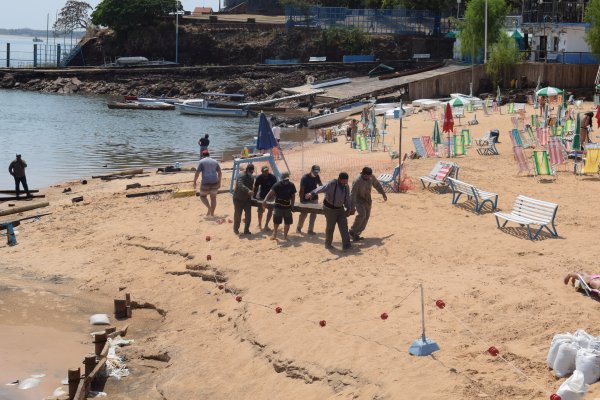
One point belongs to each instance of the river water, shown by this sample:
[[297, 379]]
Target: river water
[[64, 137]]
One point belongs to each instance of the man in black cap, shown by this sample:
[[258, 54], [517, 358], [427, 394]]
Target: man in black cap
[[17, 170], [265, 182], [242, 200], [337, 207], [361, 199], [308, 183], [285, 196]]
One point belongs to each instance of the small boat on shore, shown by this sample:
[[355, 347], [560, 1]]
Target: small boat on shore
[[328, 118], [382, 108], [203, 107], [135, 105], [356, 107]]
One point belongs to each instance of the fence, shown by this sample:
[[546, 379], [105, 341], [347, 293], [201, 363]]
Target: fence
[[394, 21], [561, 57], [39, 55]]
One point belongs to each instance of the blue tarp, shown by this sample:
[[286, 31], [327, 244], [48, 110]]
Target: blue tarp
[[266, 139], [357, 58]]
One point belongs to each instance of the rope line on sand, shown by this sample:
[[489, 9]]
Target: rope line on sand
[[492, 350]]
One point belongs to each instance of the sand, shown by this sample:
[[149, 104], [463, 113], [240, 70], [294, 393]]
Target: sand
[[500, 288]]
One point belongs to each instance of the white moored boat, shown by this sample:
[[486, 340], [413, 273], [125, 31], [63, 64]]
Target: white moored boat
[[328, 118], [382, 108], [202, 107]]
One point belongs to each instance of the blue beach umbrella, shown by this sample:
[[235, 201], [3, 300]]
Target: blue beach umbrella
[[266, 139]]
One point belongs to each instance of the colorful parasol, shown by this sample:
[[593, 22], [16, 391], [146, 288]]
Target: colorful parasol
[[548, 91]]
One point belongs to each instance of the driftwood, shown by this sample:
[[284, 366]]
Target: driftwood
[[298, 207], [28, 207], [14, 198], [24, 219], [112, 178], [121, 173], [8, 191], [152, 193]]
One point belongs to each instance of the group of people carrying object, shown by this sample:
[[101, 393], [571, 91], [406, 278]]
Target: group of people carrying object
[[338, 204]]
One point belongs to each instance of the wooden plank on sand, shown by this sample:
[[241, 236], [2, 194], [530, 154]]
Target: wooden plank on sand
[[142, 194], [14, 198], [8, 191], [299, 207], [28, 207], [120, 173]]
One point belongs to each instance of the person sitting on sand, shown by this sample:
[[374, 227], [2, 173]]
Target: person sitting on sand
[[593, 281]]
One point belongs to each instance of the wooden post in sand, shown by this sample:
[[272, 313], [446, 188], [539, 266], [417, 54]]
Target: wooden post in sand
[[128, 304], [90, 363], [99, 340], [73, 378], [120, 308]]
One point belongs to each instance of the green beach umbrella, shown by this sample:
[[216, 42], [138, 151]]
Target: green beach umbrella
[[456, 103], [548, 91], [598, 86], [498, 96], [576, 137], [437, 137]]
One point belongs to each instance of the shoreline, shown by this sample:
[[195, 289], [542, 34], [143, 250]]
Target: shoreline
[[507, 289]]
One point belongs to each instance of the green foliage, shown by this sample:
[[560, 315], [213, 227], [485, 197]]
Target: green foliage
[[74, 14], [472, 28], [504, 55], [350, 41], [592, 16], [123, 16]]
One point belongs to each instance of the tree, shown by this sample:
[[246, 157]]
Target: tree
[[74, 14], [504, 55], [472, 28], [122, 16], [592, 16]]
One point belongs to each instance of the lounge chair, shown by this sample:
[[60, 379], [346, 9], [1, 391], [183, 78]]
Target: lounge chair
[[543, 135], [527, 211], [556, 152], [419, 147], [591, 161], [582, 284], [459, 145], [428, 146], [439, 174], [466, 136], [511, 108], [541, 164], [483, 140], [489, 150], [521, 161], [530, 138], [515, 138], [390, 181]]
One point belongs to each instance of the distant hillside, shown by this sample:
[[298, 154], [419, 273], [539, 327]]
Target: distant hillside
[[35, 32]]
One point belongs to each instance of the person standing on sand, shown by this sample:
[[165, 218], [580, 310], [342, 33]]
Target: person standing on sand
[[203, 143], [337, 207], [361, 199], [17, 170], [308, 183], [242, 200], [284, 192], [211, 181], [265, 182]]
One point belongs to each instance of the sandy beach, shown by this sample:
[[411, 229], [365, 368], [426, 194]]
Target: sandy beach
[[195, 341]]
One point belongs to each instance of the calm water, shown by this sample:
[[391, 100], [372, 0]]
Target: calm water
[[21, 49], [64, 137]]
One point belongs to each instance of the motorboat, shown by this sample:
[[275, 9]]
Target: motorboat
[[465, 98], [426, 104], [356, 107], [203, 107], [328, 118], [408, 110], [382, 108], [136, 105]]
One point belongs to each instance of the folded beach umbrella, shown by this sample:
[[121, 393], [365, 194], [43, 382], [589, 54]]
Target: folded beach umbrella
[[576, 138], [266, 139], [598, 116], [437, 138], [448, 125], [548, 91]]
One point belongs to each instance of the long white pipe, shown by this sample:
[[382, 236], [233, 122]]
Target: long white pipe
[[485, 36]]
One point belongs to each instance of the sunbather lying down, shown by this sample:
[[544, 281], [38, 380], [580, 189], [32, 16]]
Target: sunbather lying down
[[593, 281]]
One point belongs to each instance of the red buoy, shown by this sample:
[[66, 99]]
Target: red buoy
[[554, 396], [440, 304], [493, 351], [384, 316], [238, 298], [207, 238], [278, 310], [322, 323], [208, 257]]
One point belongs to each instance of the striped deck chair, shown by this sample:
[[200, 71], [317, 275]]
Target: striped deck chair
[[428, 145], [569, 126], [530, 139], [361, 142], [541, 164], [592, 160], [543, 135], [419, 147], [557, 130], [535, 121], [515, 122], [556, 152], [433, 114], [470, 107], [511, 108], [515, 138], [521, 161], [596, 100], [459, 145], [467, 136]]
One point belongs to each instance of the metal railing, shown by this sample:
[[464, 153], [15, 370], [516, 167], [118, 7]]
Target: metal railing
[[40, 55], [560, 57]]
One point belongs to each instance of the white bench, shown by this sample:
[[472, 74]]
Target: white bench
[[439, 174], [480, 196], [527, 211]]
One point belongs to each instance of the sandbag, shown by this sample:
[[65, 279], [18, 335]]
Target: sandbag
[[99, 319], [557, 340], [588, 363], [582, 338], [566, 356], [573, 388]]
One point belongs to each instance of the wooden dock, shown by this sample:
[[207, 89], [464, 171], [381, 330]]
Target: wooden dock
[[365, 87]]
